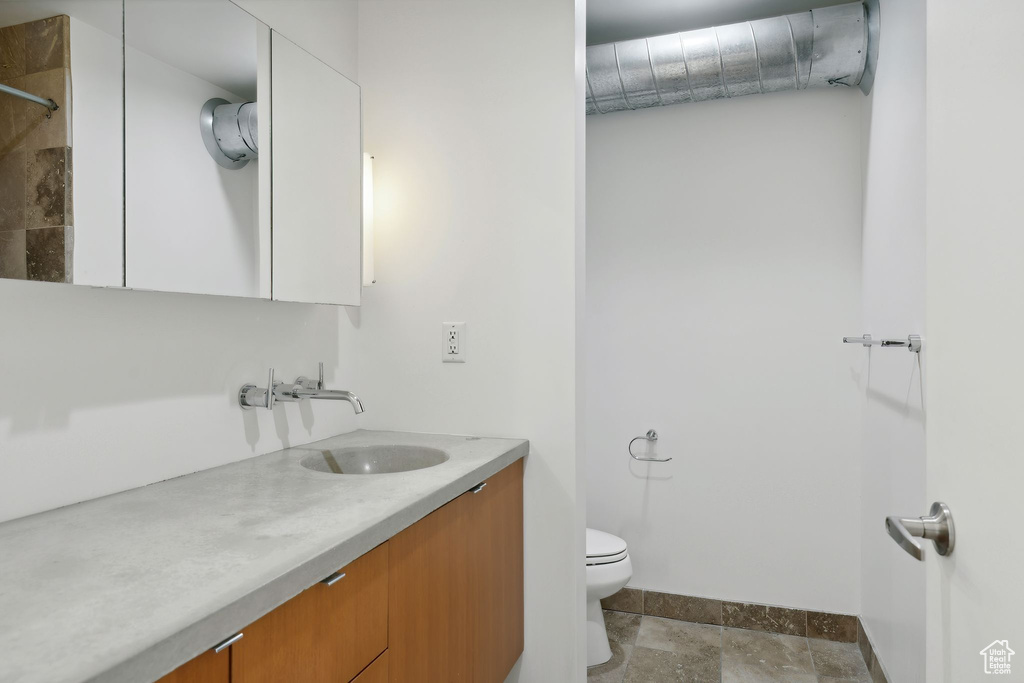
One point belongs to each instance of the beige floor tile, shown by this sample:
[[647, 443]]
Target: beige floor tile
[[752, 656], [622, 626], [839, 660], [698, 645], [614, 670], [658, 666]]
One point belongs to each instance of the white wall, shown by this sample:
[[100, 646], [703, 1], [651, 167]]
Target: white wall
[[97, 147], [319, 35], [191, 224], [117, 389], [473, 126], [723, 268], [893, 457]]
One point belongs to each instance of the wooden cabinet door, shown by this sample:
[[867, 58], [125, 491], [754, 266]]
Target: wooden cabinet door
[[428, 628], [326, 633], [456, 594], [495, 539], [376, 672], [209, 667]]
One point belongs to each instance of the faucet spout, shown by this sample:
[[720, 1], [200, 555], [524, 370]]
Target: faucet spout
[[331, 395], [251, 396]]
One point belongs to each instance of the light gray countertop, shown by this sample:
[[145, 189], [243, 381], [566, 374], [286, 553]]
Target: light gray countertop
[[129, 586]]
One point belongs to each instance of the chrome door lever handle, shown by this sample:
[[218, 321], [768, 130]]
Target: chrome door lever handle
[[897, 528], [937, 527]]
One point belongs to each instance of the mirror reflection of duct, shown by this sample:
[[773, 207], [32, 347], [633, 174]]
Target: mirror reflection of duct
[[229, 132]]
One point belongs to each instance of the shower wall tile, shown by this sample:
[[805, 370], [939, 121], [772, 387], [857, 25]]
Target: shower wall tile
[[13, 130], [12, 191], [13, 262], [12, 52], [36, 214], [40, 132], [755, 617], [48, 176], [48, 254], [47, 44]]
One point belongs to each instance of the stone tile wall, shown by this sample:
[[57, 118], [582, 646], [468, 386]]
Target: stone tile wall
[[36, 213]]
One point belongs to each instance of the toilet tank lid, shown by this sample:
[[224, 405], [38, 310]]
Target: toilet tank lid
[[602, 544]]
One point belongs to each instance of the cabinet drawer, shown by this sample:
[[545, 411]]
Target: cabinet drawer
[[376, 672], [209, 667], [326, 633]]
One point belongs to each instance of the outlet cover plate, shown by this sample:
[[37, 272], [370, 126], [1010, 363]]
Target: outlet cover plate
[[453, 342]]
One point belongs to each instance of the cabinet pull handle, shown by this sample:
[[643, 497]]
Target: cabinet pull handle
[[333, 578], [478, 488], [223, 645]]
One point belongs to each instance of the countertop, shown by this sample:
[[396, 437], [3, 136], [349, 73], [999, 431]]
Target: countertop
[[130, 586]]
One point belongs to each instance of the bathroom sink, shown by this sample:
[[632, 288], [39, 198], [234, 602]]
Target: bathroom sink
[[373, 459]]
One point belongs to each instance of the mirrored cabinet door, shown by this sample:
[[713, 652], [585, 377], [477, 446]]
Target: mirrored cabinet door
[[192, 142], [61, 141], [317, 174], [177, 146]]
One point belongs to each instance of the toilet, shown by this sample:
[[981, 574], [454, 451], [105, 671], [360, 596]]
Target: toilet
[[608, 571]]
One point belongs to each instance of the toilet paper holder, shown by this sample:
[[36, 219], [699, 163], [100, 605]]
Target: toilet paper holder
[[650, 436]]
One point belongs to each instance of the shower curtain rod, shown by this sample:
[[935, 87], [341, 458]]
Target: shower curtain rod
[[49, 104]]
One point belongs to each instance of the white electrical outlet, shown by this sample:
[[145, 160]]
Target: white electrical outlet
[[453, 342]]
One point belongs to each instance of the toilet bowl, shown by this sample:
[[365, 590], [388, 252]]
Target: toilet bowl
[[608, 571]]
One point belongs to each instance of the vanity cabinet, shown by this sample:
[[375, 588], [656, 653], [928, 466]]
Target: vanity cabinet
[[442, 601], [326, 633], [209, 667], [377, 672], [456, 587]]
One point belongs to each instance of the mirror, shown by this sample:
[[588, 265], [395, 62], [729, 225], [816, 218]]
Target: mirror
[[61, 184], [192, 218], [229, 163], [317, 175]]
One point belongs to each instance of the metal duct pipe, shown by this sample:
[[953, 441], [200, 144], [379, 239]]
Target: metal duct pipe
[[230, 132], [829, 47]]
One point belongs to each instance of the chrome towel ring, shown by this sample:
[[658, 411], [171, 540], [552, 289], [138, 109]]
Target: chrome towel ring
[[650, 436]]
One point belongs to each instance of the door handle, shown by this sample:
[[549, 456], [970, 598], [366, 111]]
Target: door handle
[[225, 644], [937, 527]]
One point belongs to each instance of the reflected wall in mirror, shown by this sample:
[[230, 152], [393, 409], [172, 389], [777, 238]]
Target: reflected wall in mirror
[[195, 220], [61, 163]]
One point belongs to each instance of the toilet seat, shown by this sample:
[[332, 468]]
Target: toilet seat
[[609, 568], [604, 548]]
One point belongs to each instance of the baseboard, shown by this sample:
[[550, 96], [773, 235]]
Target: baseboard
[[842, 628], [867, 650]]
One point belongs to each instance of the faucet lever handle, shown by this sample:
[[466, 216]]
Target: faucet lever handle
[[320, 384], [251, 396]]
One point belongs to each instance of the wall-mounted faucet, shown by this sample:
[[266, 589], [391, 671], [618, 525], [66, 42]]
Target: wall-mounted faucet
[[250, 396]]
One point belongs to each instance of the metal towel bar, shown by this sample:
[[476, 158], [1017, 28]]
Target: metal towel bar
[[651, 436], [911, 343]]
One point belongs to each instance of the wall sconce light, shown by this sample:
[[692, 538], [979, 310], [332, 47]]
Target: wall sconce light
[[368, 277]]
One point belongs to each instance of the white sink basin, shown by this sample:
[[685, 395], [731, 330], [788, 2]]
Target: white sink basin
[[373, 459]]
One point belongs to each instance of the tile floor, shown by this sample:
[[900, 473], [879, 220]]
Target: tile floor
[[655, 650]]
